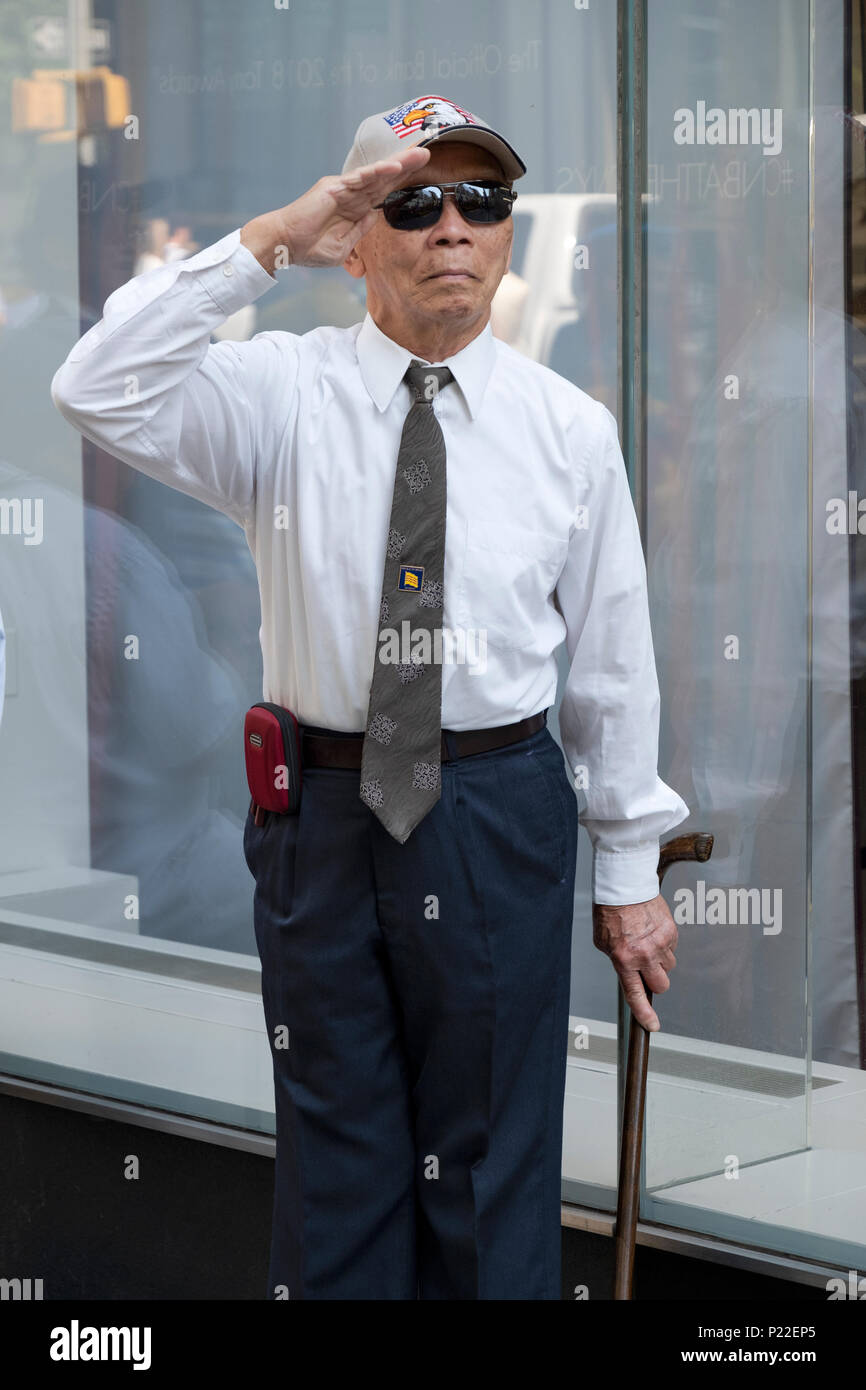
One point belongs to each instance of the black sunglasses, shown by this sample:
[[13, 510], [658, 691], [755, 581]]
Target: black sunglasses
[[478, 200]]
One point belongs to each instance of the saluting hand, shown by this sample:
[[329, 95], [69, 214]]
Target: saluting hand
[[322, 226]]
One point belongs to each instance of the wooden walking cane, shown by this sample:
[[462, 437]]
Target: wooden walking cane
[[698, 846]]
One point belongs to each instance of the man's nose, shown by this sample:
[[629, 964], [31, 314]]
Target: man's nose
[[451, 225]]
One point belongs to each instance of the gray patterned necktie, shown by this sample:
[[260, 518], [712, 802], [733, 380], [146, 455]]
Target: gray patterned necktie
[[401, 756]]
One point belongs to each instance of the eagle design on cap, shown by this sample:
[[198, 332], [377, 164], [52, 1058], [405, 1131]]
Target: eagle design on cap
[[427, 114]]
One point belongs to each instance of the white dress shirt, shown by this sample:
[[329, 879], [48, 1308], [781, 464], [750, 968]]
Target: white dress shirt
[[295, 438]]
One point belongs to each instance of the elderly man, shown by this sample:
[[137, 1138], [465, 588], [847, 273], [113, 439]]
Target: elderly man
[[400, 481]]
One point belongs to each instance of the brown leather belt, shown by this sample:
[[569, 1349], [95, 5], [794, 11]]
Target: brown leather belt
[[327, 748]]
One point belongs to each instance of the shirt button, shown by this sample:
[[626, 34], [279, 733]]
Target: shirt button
[[228, 270]]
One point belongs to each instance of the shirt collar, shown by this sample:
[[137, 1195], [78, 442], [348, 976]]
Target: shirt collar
[[383, 364]]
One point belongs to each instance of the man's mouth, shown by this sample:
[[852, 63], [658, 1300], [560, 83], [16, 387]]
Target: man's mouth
[[452, 275]]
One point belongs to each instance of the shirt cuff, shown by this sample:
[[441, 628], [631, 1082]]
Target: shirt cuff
[[229, 272], [626, 876]]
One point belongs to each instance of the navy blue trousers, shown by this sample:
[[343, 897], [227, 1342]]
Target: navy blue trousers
[[416, 1000]]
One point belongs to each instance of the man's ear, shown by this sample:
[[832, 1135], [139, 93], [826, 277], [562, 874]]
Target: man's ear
[[354, 263]]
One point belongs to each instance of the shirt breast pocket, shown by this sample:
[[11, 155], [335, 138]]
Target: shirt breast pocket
[[508, 575]]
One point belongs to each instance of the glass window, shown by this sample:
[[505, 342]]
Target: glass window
[[134, 134], [127, 956], [756, 1089]]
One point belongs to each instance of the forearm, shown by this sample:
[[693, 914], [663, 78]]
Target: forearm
[[147, 386], [610, 732], [154, 332]]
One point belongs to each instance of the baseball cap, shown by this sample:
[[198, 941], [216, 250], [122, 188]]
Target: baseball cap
[[422, 121]]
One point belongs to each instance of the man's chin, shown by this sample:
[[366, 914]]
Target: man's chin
[[453, 296]]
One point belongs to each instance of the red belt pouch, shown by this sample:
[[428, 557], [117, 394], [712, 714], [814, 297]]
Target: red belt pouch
[[272, 750]]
